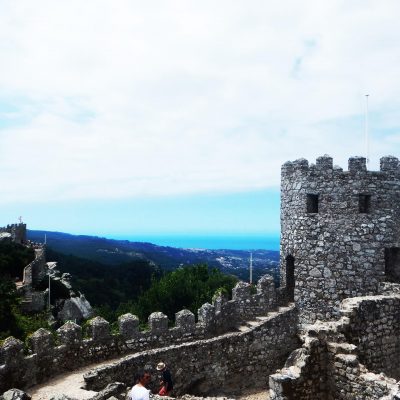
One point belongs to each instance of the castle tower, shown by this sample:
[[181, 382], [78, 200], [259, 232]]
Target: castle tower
[[18, 232], [340, 232]]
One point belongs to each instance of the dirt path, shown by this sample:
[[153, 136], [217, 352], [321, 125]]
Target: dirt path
[[70, 384], [254, 395]]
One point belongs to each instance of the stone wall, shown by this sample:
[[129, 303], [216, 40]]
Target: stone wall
[[230, 362], [374, 328], [39, 266], [266, 298], [34, 273], [36, 270], [48, 356], [340, 232], [348, 358]]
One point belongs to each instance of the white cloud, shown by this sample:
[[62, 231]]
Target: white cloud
[[129, 98]]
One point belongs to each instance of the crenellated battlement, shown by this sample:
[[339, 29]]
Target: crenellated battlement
[[47, 355], [324, 164], [257, 349]]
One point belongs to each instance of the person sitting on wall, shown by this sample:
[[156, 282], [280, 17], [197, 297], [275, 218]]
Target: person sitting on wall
[[166, 380], [139, 391]]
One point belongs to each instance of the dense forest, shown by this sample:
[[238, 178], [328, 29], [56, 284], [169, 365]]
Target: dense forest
[[107, 284], [13, 258], [140, 287]]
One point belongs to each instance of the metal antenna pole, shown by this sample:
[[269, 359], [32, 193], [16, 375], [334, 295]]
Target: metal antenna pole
[[49, 286], [366, 131], [251, 268]]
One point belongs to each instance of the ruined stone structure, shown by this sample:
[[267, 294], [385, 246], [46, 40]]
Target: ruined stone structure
[[332, 327], [352, 358], [34, 300], [261, 347]]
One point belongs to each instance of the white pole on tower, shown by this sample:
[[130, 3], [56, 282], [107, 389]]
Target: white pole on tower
[[49, 289], [366, 130], [251, 268]]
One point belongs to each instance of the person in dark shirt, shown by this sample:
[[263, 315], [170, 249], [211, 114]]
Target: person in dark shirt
[[166, 380]]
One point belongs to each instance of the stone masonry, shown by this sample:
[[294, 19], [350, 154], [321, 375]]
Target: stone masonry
[[353, 358], [340, 232], [47, 356], [234, 361]]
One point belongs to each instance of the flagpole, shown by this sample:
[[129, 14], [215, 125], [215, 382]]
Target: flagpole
[[366, 130], [251, 268]]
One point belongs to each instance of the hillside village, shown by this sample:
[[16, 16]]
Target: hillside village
[[329, 331]]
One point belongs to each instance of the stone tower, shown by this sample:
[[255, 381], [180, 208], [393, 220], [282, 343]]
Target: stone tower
[[340, 232], [17, 232]]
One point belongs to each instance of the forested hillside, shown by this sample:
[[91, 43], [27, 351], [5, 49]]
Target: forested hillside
[[104, 284], [116, 252], [140, 287], [119, 276]]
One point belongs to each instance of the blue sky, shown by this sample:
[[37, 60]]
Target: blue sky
[[254, 213], [158, 117]]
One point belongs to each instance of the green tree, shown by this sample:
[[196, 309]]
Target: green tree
[[8, 299], [187, 287], [14, 258]]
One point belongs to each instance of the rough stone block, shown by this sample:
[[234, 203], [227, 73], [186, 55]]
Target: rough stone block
[[41, 341], [300, 166], [185, 320], [266, 293], [241, 291], [219, 303], [99, 329], [357, 164], [324, 162], [12, 351], [389, 164], [15, 394], [128, 325], [287, 168], [206, 315], [70, 334], [158, 322]]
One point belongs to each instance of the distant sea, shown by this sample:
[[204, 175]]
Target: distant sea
[[231, 242]]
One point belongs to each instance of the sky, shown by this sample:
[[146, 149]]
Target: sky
[[174, 117]]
